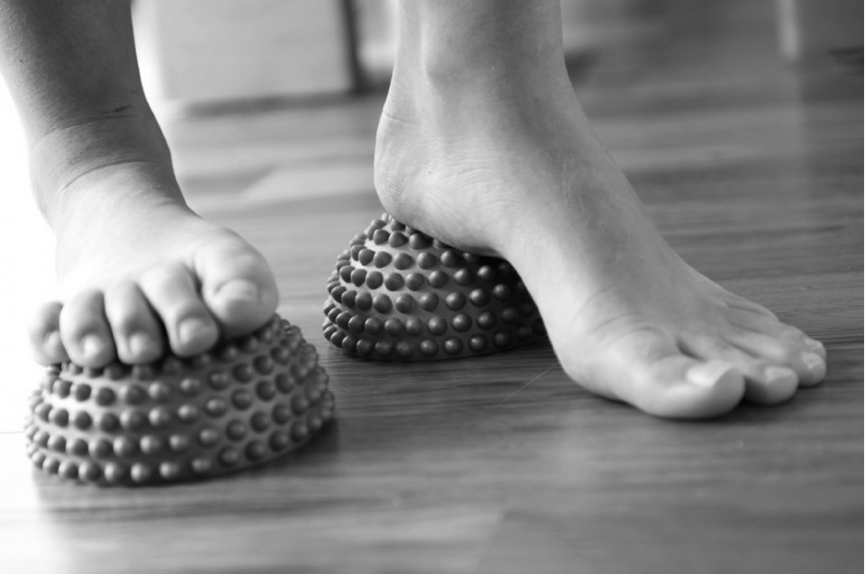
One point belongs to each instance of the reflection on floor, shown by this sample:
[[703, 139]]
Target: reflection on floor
[[753, 171]]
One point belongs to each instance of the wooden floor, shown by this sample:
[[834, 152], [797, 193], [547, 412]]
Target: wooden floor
[[753, 171]]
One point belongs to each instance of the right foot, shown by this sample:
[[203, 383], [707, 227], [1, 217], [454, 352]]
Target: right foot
[[627, 317], [140, 274], [483, 145]]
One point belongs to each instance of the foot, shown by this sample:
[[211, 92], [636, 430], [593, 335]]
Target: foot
[[522, 176], [141, 274]]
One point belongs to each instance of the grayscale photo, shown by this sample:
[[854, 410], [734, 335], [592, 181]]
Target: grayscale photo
[[431, 286]]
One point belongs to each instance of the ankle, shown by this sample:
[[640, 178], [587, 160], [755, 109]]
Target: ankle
[[67, 160], [461, 84], [458, 49]]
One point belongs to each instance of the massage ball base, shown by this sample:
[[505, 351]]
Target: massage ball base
[[248, 401], [398, 295]]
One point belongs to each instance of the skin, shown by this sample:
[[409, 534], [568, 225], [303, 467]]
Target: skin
[[480, 119], [139, 272]]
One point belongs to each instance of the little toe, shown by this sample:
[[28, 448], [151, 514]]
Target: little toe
[[44, 332], [765, 383], [813, 354], [171, 290], [84, 330], [810, 367], [816, 367], [237, 285], [651, 373], [815, 346], [137, 333]]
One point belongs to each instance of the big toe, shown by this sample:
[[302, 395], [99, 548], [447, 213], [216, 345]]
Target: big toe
[[647, 369], [680, 387], [237, 284]]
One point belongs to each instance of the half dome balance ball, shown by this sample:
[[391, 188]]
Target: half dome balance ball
[[398, 295], [247, 401]]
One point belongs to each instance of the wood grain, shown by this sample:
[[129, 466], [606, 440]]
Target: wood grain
[[753, 171]]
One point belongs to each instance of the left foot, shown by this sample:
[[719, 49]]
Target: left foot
[[522, 176]]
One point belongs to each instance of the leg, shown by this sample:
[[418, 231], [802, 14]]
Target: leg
[[481, 119], [139, 271]]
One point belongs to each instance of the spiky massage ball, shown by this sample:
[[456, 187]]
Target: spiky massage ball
[[247, 401]]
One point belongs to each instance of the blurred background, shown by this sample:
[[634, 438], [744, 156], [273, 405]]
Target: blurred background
[[196, 51]]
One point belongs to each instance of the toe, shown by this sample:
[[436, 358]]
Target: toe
[[768, 325], [44, 334], [815, 346], [84, 330], [739, 303], [647, 369], [815, 370], [680, 387], [765, 383], [137, 333], [773, 327], [772, 385], [237, 285], [172, 291], [782, 351]]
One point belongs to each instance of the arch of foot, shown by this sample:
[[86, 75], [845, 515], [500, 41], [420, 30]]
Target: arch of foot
[[246, 402], [398, 295]]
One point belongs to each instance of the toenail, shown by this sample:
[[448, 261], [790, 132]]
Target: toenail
[[92, 345], [240, 289], [192, 329], [813, 344], [708, 374], [813, 361], [775, 374], [140, 344]]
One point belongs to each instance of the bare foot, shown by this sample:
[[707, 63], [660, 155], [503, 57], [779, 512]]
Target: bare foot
[[141, 274], [510, 167]]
